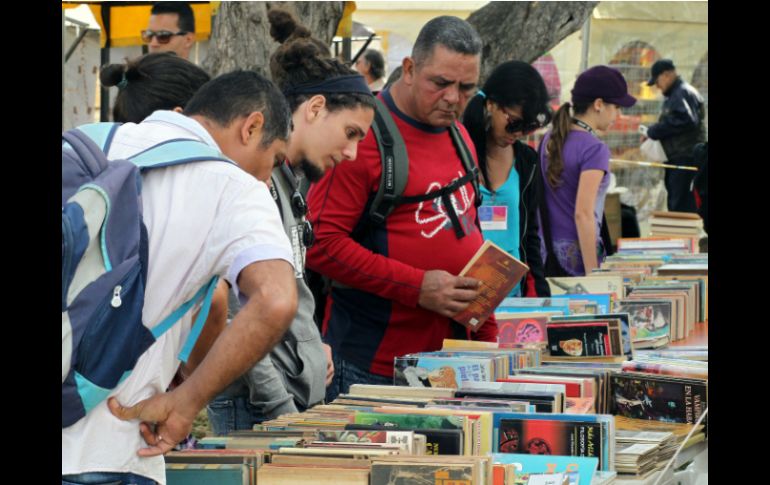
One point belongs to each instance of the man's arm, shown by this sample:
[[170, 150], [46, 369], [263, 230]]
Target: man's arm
[[272, 302]]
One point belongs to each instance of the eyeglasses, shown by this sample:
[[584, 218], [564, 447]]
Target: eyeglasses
[[299, 209], [519, 125], [163, 36]]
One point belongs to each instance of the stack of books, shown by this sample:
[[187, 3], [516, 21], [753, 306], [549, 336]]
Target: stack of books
[[675, 224]]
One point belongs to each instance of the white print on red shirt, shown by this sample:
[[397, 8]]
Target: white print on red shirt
[[441, 219]]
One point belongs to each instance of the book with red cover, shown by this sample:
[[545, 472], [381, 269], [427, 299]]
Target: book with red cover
[[550, 437], [499, 273], [573, 388], [518, 329]]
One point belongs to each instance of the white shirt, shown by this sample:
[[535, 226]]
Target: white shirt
[[203, 219]]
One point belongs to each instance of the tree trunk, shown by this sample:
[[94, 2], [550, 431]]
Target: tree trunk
[[525, 30], [240, 33]]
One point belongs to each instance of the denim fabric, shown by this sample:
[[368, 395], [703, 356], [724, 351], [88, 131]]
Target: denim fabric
[[232, 413], [346, 374], [106, 478]]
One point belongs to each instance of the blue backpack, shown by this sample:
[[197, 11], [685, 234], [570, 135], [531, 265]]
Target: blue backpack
[[104, 264]]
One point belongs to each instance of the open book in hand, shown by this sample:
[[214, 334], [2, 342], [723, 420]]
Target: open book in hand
[[499, 273]]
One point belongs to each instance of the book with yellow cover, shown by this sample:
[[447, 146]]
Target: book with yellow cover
[[499, 273]]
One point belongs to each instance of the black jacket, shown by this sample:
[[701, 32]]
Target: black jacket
[[680, 126], [528, 167]]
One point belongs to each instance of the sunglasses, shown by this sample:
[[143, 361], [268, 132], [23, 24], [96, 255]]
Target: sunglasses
[[299, 209], [163, 36], [519, 125]]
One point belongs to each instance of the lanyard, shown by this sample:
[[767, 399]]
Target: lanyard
[[584, 125]]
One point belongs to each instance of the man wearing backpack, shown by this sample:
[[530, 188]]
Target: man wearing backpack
[[395, 288], [203, 218]]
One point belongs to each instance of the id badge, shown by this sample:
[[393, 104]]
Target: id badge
[[299, 252], [493, 217]]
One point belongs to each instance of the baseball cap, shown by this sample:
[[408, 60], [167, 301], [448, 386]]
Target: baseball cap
[[660, 66], [602, 82]]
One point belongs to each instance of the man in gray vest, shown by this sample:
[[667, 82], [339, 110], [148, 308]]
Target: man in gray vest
[[679, 128]]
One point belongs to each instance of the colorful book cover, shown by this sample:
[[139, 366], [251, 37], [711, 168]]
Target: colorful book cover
[[530, 464], [579, 339], [545, 437], [410, 421], [499, 273], [606, 436], [658, 398], [512, 329], [650, 319], [404, 439], [625, 325], [444, 372]]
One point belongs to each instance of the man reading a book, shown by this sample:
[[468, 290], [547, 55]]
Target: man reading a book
[[395, 286]]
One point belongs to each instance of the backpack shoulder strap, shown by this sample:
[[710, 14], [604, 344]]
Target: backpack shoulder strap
[[101, 133], [467, 159], [395, 163], [176, 152]]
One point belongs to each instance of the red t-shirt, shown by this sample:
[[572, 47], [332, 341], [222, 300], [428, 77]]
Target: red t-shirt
[[377, 318]]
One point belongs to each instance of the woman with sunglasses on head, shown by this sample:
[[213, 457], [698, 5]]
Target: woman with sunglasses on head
[[575, 165], [512, 103], [332, 109]]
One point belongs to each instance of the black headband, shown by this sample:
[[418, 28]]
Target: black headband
[[347, 84]]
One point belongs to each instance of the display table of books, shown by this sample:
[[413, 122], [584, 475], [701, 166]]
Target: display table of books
[[606, 382]]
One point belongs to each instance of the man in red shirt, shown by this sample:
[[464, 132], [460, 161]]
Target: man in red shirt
[[396, 288]]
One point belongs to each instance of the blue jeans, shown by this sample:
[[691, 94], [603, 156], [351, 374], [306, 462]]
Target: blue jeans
[[346, 374], [232, 413], [106, 478]]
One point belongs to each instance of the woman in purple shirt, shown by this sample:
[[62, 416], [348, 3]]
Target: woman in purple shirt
[[575, 166]]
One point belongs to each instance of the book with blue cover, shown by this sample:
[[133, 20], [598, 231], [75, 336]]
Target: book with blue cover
[[207, 474], [417, 370], [521, 305], [531, 464]]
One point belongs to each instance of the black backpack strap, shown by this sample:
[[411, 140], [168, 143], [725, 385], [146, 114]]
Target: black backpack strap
[[395, 163], [395, 171], [467, 159]]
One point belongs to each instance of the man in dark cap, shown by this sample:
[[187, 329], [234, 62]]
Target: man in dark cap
[[679, 128]]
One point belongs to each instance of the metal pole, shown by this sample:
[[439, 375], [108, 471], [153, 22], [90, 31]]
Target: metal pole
[[362, 49], [586, 34], [83, 32], [104, 109], [347, 48]]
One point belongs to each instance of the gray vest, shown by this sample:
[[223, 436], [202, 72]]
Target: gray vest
[[299, 357]]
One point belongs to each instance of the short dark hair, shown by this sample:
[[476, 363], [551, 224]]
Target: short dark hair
[[183, 9], [453, 33], [239, 93], [376, 63], [303, 59], [151, 82]]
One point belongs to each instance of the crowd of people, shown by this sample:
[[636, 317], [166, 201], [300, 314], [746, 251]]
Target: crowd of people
[[321, 288]]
